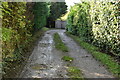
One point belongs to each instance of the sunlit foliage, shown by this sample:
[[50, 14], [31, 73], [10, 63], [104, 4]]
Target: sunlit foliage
[[96, 22]]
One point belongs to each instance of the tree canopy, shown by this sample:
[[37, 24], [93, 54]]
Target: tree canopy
[[41, 12], [57, 9]]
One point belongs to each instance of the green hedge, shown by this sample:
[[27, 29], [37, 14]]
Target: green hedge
[[41, 12], [17, 28], [17, 25], [15, 33], [97, 23]]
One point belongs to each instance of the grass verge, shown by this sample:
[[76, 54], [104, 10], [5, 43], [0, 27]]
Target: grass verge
[[14, 68], [105, 59], [59, 44]]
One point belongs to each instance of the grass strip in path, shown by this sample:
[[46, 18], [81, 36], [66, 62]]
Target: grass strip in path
[[105, 59], [59, 44], [74, 73]]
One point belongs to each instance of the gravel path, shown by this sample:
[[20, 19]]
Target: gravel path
[[45, 61]]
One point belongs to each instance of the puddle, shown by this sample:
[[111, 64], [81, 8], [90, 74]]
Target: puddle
[[38, 66]]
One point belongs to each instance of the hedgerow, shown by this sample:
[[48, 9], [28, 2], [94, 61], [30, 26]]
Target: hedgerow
[[14, 30], [97, 23], [105, 26], [41, 12], [18, 19]]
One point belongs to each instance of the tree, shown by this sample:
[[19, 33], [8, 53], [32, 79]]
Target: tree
[[57, 9]]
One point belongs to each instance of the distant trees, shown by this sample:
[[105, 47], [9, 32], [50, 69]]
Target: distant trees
[[47, 12], [41, 12], [57, 9]]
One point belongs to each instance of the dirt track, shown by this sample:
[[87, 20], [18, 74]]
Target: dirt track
[[45, 61]]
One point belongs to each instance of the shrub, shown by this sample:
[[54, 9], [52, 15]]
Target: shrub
[[97, 23]]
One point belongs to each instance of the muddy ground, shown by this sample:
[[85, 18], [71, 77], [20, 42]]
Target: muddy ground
[[45, 61]]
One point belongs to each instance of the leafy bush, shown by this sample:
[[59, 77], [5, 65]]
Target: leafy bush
[[97, 23], [79, 21], [14, 28], [105, 27]]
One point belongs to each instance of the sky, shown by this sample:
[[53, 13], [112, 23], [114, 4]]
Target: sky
[[71, 2]]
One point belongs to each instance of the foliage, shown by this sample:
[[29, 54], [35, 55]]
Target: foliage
[[105, 27], [78, 21], [97, 23], [17, 29], [64, 17], [57, 9], [59, 44], [107, 60], [13, 29], [41, 12]]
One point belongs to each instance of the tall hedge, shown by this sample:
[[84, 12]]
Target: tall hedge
[[79, 21], [41, 12], [18, 20], [96, 22], [105, 27], [15, 33]]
